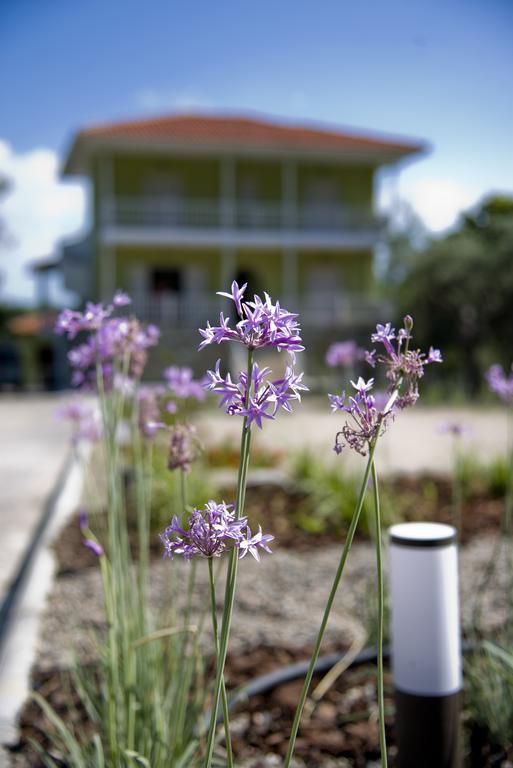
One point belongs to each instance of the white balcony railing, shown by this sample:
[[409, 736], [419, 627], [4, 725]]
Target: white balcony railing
[[170, 213], [176, 312]]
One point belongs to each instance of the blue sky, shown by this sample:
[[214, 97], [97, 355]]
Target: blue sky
[[438, 70]]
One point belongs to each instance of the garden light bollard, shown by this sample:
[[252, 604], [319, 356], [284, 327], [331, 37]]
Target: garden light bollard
[[426, 644]]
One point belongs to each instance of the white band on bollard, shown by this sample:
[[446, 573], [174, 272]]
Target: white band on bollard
[[426, 644]]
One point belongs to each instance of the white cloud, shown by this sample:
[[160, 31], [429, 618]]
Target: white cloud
[[155, 99], [39, 210], [439, 201]]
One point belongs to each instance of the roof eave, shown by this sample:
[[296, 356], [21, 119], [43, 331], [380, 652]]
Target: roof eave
[[84, 147]]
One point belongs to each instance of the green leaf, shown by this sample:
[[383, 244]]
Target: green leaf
[[68, 739], [138, 759]]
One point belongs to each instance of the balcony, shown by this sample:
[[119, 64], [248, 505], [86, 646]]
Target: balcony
[[230, 222], [316, 312]]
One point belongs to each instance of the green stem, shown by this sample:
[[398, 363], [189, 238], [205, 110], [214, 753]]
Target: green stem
[[381, 612], [329, 604], [508, 534], [183, 489], [457, 490], [232, 572], [505, 539], [224, 699]]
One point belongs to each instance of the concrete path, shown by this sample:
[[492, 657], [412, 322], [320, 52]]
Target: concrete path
[[39, 488], [33, 448], [412, 443]]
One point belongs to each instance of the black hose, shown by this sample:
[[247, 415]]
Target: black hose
[[270, 681]]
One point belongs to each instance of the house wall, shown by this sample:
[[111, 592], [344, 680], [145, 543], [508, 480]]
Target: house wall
[[201, 177], [124, 175], [353, 269], [353, 184]]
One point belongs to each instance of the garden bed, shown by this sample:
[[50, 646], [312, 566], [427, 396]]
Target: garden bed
[[273, 626], [288, 513], [341, 731]]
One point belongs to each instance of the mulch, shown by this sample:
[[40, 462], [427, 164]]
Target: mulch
[[344, 723]]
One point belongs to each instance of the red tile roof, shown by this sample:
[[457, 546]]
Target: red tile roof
[[244, 131]]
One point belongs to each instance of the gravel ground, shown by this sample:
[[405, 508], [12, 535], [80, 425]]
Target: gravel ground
[[279, 601]]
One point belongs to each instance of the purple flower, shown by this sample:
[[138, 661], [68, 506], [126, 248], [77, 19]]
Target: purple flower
[[499, 383], [85, 421], [261, 324], [362, 386], [182, 384], [253, 544], [434, 356], [121, 299], [83, 520], [113, 343], [383, 333], [266, 396], [454, 428], [367, 420], [184, 447], [149, 418], [210, 532], [95, 547], [404, 366], [370, 415], [343, 353], [236, 295]]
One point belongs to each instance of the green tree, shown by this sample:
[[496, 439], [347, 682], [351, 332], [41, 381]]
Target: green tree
[[460, 288]]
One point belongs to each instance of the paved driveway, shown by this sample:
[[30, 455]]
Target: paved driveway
[[33, 449], [34, 445], [412, 443]]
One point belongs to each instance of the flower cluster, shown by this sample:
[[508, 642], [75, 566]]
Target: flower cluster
[[370, 414], [149, 413], [344, 353], [265, 398], [113, 342], [182, 384], [254, 395], [501, 384], [454, 428], [369, 418], [184, 447], [210, 532], [404, 366], [260, 324], [85, 421]]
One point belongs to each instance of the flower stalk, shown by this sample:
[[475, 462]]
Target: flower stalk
[[329, 604], [381, 616], [231, 575], [367, 418]]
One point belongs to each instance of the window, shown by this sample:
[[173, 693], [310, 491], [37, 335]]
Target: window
[[322, 204], [166, 281]]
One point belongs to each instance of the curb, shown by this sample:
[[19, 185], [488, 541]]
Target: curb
[[24, 603]]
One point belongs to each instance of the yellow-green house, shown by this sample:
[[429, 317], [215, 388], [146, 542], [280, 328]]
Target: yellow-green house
[[183, 205]]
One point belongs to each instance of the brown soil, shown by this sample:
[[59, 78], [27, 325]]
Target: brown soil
[[276, 510], [342, 725]]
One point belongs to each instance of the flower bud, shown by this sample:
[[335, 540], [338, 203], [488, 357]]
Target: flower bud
[[408, 322]]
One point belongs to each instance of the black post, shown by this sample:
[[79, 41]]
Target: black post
[[426, 645]]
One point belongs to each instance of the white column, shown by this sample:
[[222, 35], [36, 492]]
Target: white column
[[106, 272], [290, 277], [289, 194], [227, 268], [106, 190], [228, 192]]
